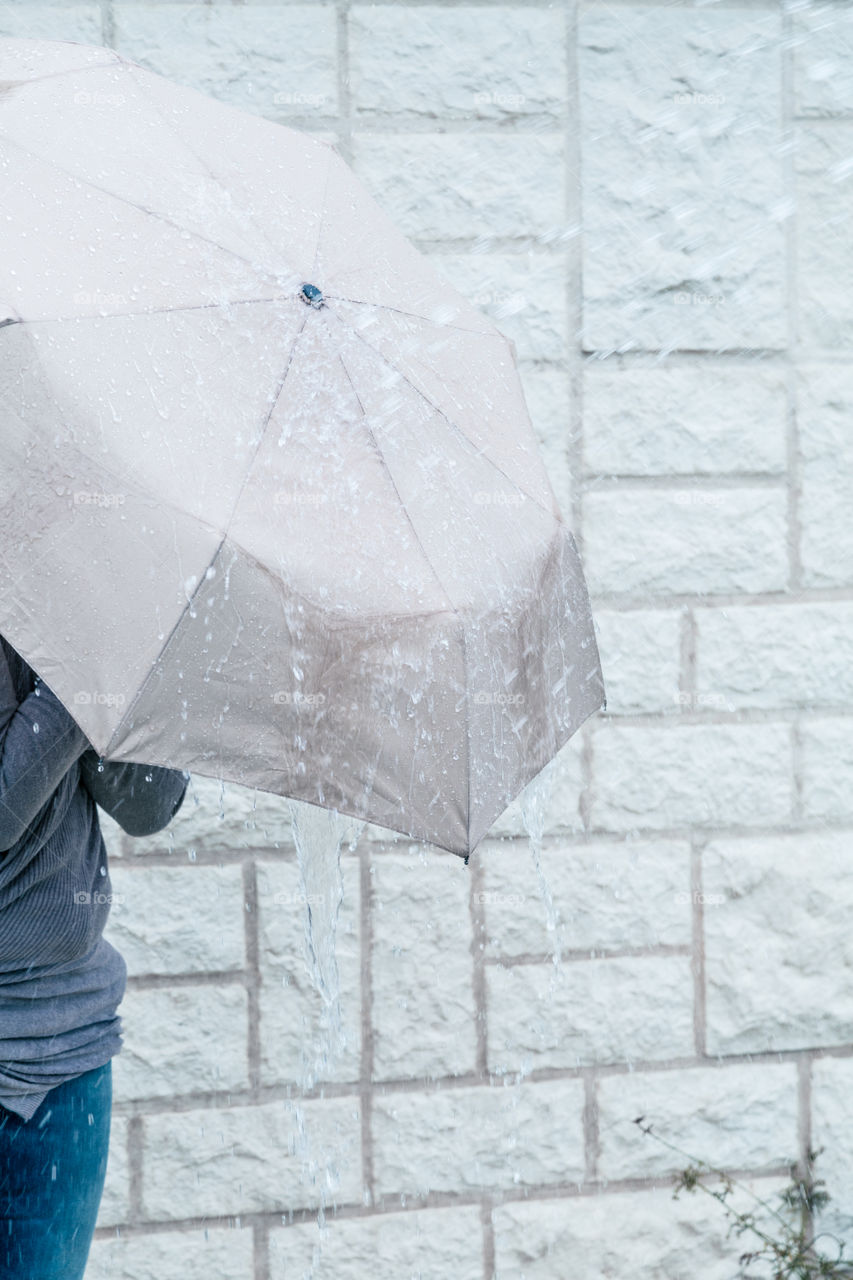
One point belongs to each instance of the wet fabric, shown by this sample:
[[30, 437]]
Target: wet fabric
[[60, 980], [52, 1171]]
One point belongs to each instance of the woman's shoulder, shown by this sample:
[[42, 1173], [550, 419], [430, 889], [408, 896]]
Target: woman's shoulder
[[23, 676]]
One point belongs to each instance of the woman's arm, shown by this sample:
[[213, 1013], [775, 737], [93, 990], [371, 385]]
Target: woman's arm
[[39, 743], [140, 807]]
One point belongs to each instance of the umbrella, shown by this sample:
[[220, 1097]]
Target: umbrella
[[272, 509]]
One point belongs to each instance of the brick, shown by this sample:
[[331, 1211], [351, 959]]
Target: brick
[[607, 896], [438, 186], [825, 403], [655, 1235], [430, 1244], [275, 60], [471, 1139], [524, 294], [220, 817], [589, 1011], [832, 1136], [704, 774], [115, 1201], [822, 48], [182, 1040], [824, 234], [449, 63], [68, 21], [558, 787], [549, 402], [697, 420], [170, 920], [775, 655], [640, 652], [424, 1017], [685, 540], [827, 767], [300, 1038], [777, 955], [274, 1157], [734, 1117], [214, 1253], [683, 197]]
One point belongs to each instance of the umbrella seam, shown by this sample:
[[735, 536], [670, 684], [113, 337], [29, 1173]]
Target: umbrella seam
[[454, 609]]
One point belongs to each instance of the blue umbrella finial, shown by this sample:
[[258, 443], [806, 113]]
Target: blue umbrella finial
[[312, 295]]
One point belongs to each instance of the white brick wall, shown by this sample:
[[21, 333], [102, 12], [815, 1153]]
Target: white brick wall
[[653, 202]]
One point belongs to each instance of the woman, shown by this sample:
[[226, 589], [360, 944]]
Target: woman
[[60, 981]]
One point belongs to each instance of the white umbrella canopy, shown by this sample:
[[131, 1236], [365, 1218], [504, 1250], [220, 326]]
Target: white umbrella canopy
[[271, 506]]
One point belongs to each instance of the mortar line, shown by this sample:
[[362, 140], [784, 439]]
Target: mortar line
[[135, 1153], [591, 1136], [488, 1240], [261, 1249], [698, 963], [687, 656], [478, 958], [253, 973], [343, 81], [365, 1085], [792, 311], [108, 30]]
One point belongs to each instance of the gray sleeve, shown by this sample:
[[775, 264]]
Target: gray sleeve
[[141, 798], [39, 742]]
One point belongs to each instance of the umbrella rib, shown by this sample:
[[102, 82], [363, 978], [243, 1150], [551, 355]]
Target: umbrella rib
[[151, 213], [210, 173], [152, 311], [383, 306], [384, 462], [480, 452]]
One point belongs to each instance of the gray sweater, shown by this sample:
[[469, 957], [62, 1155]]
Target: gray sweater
[[60, 981]]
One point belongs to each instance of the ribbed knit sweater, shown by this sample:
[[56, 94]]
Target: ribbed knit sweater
[[60, 980]]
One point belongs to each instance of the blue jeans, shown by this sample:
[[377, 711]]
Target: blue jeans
[[52, 1169]]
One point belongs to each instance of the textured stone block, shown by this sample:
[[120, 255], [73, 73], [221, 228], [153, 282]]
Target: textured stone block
[[824, 408], [215, 1253], [625, 1235], [735, 1117], [270, 1158], [708, 775], [655, 542], [68, 21], [832, 1130], [557, 788], [822, 49], [606, 896], [445, 186], [471, 1139], [683, 420], [186, 919], [797, 655], [824, 234], [458, 63], [589, 1011], [424, 1018], [430, 1244], [304, 1036], [182, 1040], [640, 652], [827, 767], [524, 294], [778, 949], [275, 60], [683, 196]]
